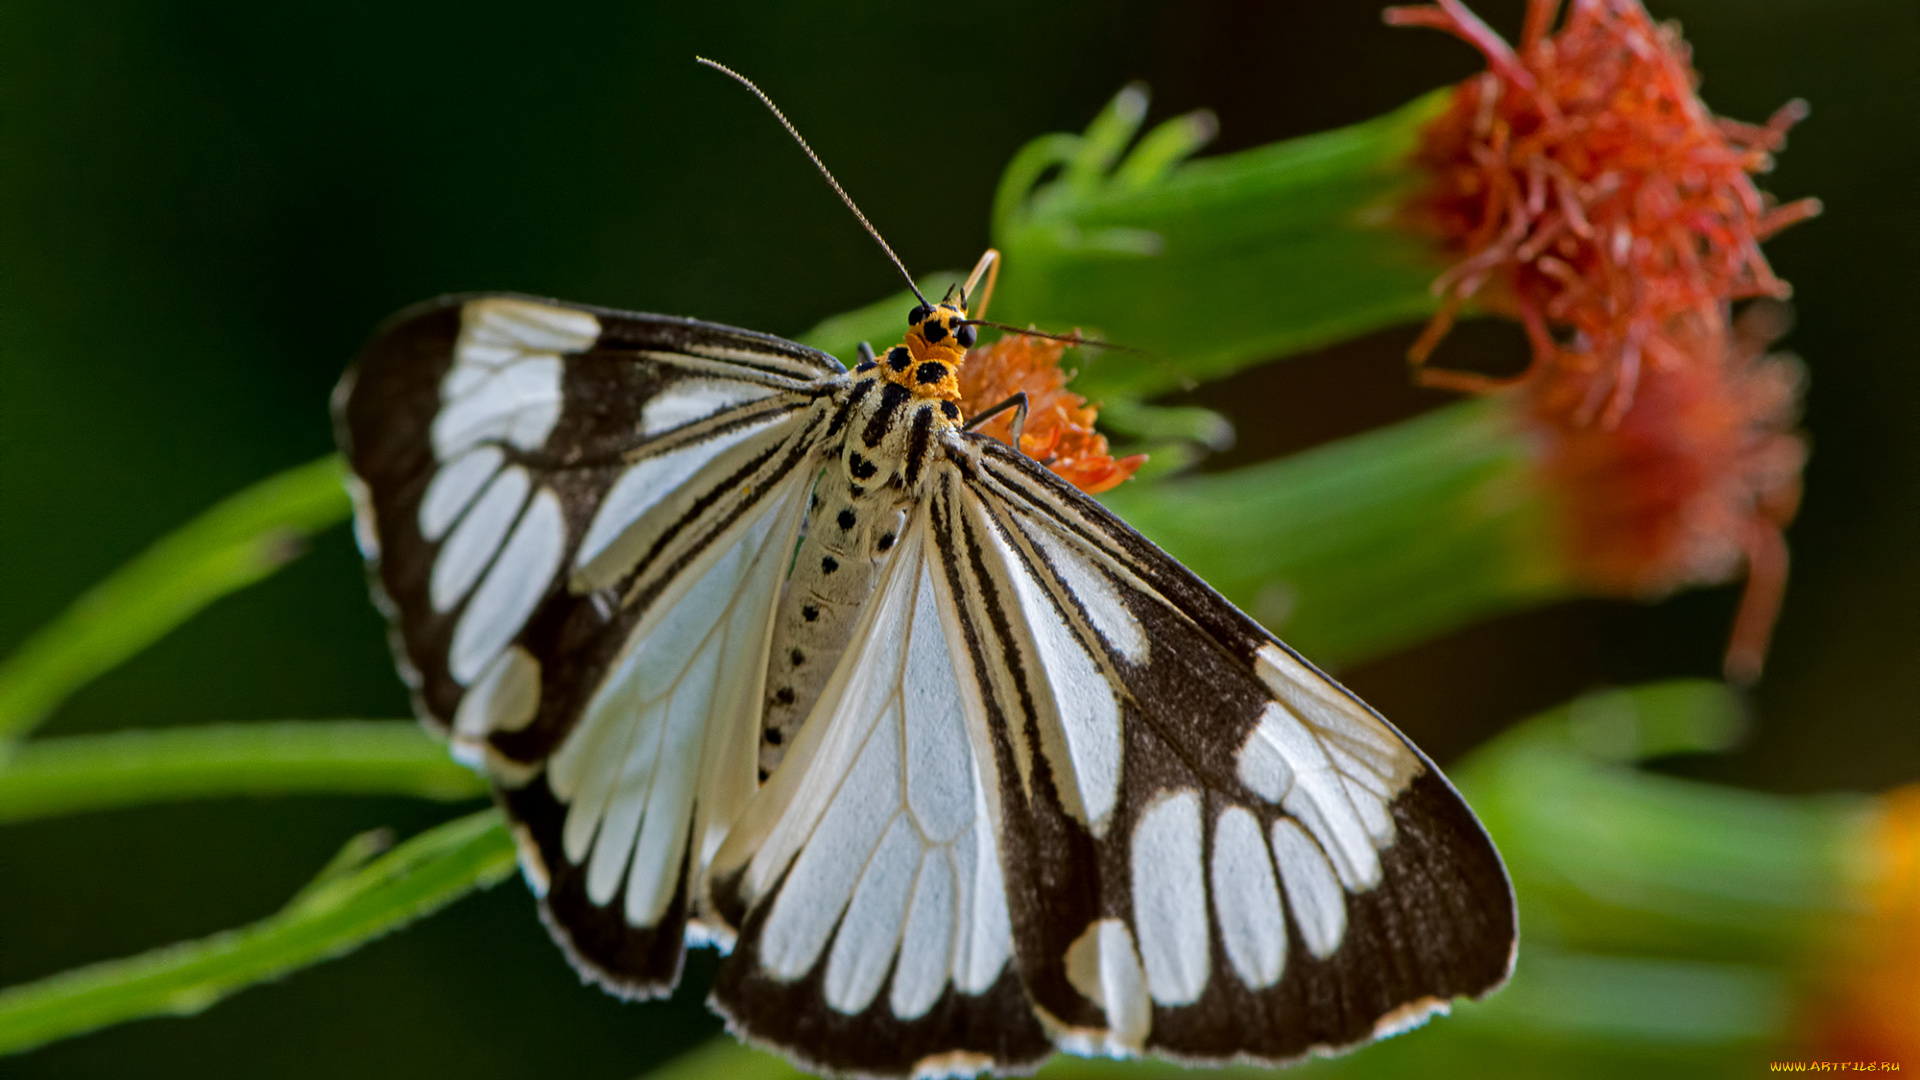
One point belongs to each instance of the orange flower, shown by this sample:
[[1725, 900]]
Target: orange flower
[[1698, 477], [1869, 1005], [1059, 431], [1594, 196]]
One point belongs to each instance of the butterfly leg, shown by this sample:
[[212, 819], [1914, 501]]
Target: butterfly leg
[[1018, 403], [865, 352]]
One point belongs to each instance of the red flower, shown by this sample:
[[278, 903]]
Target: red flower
[[1594, 196], [1059, 431], [1699, 477]]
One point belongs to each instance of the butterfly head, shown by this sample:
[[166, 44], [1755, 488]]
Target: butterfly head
[[928, 361]]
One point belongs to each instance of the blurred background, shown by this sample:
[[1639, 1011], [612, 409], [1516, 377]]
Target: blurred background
[[209, 206]]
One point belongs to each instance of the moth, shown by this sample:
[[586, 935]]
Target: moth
[[957, 768]]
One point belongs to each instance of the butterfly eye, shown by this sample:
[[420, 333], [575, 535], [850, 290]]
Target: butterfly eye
[[966, 336], [918, 315]]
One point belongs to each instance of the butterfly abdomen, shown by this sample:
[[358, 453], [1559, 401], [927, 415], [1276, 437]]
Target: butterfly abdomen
[[856, 511]]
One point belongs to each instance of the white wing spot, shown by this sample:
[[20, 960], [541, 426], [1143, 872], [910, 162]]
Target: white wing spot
[[461, 559], [1262, 760], [513, 586], [1284, 761], [663, 829], [504, 698], [519, 403], [1319, 905], [939, 759], [1082, 698], [615, 800], [1170, 898], [629, 768], [500, 322], [645, 483], [1103, 966], [1246, 900], [1313, 698], [695, 399], [870, 933], [986, 929], [1097, 595], [929, 936], [821, 882], [453, 488]]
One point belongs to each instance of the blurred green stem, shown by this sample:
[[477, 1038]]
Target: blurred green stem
[[337, 914], [239, 541], [1206, 266], [95, 772], [1610, 858], [1374, 542]]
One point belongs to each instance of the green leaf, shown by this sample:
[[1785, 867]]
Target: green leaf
[[333, 917], [241, 540], [124, 768]]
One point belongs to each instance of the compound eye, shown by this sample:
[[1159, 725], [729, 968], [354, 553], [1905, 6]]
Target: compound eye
[[965, 336], [918, 315]]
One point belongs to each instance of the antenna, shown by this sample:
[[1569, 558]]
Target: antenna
[[989, 265], [1070, 339], [818, 164]]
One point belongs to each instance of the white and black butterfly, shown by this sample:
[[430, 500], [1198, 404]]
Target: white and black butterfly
[[957, 766]]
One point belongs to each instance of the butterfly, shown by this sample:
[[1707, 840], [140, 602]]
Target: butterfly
[[955, 766]]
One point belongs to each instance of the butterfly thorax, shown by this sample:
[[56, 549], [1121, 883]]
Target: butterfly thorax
[[927, 362], [887, 418]]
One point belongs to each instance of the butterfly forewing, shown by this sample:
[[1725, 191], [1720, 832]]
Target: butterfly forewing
[[579, 522]]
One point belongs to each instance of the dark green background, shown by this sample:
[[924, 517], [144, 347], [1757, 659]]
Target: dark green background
[[208, 206]]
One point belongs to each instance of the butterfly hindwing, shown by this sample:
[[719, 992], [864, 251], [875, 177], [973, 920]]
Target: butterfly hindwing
[[1213, 851], [576, 520], [865, 879]]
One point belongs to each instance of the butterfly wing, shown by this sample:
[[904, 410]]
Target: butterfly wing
[[1260, 865], [1205, 847], [865, 878], [577, 521]]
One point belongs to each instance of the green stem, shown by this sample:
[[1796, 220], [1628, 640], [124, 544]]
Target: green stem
[[1205, 266], [241, 540], [1371, 543], [1609, 858], [330, 919], [1226, 261], [96, 772]]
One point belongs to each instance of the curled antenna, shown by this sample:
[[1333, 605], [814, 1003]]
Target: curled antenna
[[1071, 339], [818, 164]]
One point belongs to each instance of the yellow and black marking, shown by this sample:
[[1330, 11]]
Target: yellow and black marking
[[927, 362]]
